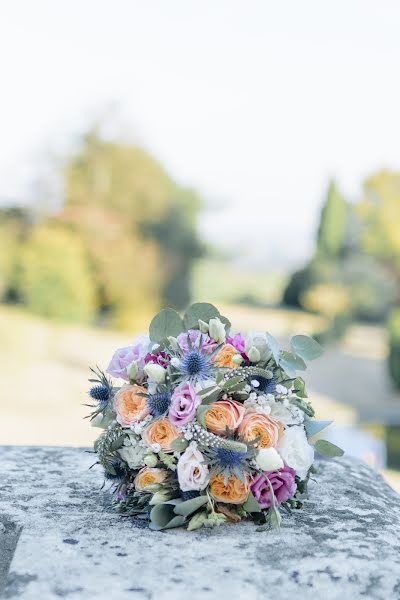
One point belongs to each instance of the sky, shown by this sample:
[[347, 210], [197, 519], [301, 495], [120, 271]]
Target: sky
[[256, 104]]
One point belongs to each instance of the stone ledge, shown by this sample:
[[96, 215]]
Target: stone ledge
[[344, 544]]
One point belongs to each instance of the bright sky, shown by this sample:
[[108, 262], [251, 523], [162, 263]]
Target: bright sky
[[255, 103]]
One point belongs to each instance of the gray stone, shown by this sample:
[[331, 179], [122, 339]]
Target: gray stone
[[344, 544]]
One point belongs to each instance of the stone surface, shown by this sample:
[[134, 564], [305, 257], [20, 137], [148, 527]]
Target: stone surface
[[344, 544]]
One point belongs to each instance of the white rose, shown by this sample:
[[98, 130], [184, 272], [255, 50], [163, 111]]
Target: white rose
[[268, 459], [191, 470], [216, 330], [296, 451], [258, 339], [155, 372]]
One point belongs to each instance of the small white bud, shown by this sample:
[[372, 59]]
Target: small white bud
[[132, 370], [216, 330], [254, 354], [203, 326], [155, 372], [237, 359], [268, 459]]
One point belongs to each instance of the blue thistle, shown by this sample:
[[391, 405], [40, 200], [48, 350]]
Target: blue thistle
[[119, 469], [100, 393], [230, 459], [158, 403], [266, 386], [195, 365]]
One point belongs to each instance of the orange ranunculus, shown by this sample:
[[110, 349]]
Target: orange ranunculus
[[224, 414], [234, 492], [162, 432], [225, 356], [149, 476], [130, 405], [259, 425]]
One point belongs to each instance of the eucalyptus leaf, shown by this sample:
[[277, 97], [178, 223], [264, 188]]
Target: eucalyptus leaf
[[118, 443], [274, 518], [274, 346], [166, 323], [251, 505], [201, 310], [313, 427], [306, 347], [328, 449], [201, 414], [300, 387], [291, 363], [197, 521], [161, 514], [179, 444], [188, 507]]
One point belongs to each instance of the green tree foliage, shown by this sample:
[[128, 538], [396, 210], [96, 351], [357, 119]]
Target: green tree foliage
[[332, 228], [54, 279], [394, 346], [138, 226], [15, 224]]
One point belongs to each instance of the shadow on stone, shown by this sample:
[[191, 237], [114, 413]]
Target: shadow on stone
[[9, 535]]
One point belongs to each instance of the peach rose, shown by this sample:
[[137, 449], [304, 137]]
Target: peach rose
[[223, 414], [130, 405], [225, 356], [148, 476], [259, 425], [234, 492], [162, 432]]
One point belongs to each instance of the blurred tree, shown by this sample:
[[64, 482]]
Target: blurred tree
[[15, 224], [331, 236], [138, 224], [54, 278]]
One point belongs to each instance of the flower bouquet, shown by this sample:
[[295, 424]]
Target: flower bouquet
[[208, 427]]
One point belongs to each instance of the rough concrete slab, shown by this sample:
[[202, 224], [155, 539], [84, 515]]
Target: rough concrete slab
[[344, 545]]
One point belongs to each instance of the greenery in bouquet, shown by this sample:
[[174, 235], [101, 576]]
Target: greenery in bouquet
[[208, 426]]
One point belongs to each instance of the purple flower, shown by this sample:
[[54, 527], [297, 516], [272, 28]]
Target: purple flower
[[159, 358], [184, 402], [207, 344], [283, 484], [237, 341], [123, 358]]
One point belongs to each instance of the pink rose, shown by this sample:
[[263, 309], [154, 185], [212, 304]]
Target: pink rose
[[192, 470], [184, 402], [207, 344], [282, 482], [123, 358]]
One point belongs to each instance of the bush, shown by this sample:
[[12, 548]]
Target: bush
[[394, 346], [54, 279]]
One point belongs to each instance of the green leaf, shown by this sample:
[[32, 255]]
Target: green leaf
[[300, 387], [251, 505], [197, 521], [226, 322], [188, 507], [274, 346], [201, 414], [274, 517], [200, 310], [328, 449], [306, 347], [291, 363], [118, 443], [167, 322], [230, 383], [313, 427], [161, 514], [179, 444]]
